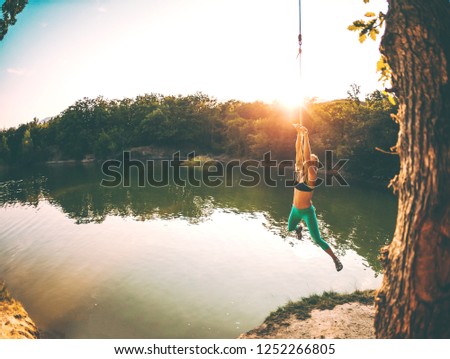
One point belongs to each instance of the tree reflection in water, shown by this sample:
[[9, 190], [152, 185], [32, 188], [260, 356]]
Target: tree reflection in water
[[357, 218]]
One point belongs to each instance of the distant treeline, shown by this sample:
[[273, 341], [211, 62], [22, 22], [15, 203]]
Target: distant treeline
[[103, 128]]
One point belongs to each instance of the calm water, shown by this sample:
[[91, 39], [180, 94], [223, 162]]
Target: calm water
[[92, 262]]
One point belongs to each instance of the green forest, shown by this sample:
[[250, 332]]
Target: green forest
[[100, 128]]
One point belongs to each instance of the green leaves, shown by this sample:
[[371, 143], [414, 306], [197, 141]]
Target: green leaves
[[384, 69], [371, 28], [385, 77], [368, 28], [10, 9]]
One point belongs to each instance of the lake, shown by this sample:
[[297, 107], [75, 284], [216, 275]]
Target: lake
[[175, 262]]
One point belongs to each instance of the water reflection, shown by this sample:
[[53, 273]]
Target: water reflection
[[359, 218]]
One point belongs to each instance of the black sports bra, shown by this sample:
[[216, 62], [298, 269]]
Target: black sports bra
[[302, 186]]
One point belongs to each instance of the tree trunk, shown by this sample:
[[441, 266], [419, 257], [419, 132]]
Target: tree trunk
[[414, 299]]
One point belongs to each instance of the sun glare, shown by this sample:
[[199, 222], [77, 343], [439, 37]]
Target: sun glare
[[291, 98], [288, 98]]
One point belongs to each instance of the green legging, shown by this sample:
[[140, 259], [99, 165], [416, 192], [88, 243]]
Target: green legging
[[308, 215]]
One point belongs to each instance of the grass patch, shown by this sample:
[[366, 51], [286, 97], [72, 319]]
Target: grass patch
[[302, 308]]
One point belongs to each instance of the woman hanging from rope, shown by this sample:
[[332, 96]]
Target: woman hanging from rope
[[302, 207]]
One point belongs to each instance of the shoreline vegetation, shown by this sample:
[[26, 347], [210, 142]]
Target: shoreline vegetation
[[329, 315], [15, 322], [98, 129]]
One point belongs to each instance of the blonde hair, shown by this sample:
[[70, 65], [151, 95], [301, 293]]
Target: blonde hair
[[315, 158], [313, 162]]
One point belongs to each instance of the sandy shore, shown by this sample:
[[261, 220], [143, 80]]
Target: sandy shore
[[15, 322], [350, 320], [330, 316]]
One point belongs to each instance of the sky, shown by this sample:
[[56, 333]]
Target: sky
[[60, 51]]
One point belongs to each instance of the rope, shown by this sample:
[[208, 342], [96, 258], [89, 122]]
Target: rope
[[300, 56]]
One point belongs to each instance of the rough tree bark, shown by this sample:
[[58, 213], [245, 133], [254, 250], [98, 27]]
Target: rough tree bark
[[414, 299]]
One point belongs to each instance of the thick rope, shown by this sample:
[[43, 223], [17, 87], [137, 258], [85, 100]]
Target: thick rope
[[300, 57]]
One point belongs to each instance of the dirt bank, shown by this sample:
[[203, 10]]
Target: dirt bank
[[331, 316], [14, 320]]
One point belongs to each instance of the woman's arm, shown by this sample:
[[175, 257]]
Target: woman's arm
[[310, 166], [298, 150], [307, 149]]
